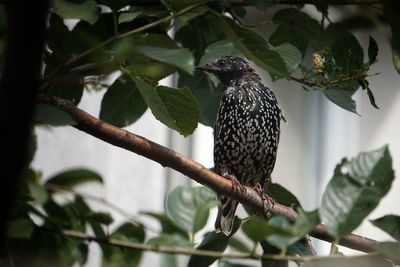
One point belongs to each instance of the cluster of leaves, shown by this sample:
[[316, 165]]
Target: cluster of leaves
[[136, 40], [36, 233]]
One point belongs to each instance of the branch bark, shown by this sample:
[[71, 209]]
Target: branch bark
[[169, 158]]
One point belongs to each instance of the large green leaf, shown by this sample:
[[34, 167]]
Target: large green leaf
[[290, 55], [74, 177], [167, 225], [169, 240], [115, 256], [342, 98], [372, 50], [355, 190], [77, 9], [285, 34], [254, 47], [350, 261], [390, 224], [180, 57], [176, 108], [122, 104], [46, 114], [390, 250], [20, 228], [211, 241], [217, 50], [283, 196], [256, 228], [188, 207]]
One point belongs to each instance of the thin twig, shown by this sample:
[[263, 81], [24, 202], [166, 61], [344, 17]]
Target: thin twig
[[169, 158]]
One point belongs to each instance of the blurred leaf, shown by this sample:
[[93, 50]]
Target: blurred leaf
[[181, 58], [76, 9], [342, 98], [122, 104], [268, 249], [128, 16], [261, 4], [70, 88], [286, 234], [285, 34], [176, 108], [238, 245], [390, 224], [20, 228], [372, 50], [188, 207], [115, 5], [390, 250], [391, 14], [334, 261], [46, 114], [211, 241], [290, 55], [167, 225], [282, 195], [169, 240], [115, 256], [256, 228], [254, 47], [300, 247], [82, 253], [355, 190], [100, 217], [74, 177], [194, 13], [291, 20], [38, 193]]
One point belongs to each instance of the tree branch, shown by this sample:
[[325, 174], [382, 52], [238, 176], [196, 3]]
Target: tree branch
[[169, 158]]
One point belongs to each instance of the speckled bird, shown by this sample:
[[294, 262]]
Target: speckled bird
[[246, 133]]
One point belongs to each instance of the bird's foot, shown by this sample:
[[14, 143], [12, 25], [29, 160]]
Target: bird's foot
[[236, 185], [259, 189], [268, 204]]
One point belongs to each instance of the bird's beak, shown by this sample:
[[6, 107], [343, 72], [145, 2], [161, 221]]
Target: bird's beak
[[211, 68]]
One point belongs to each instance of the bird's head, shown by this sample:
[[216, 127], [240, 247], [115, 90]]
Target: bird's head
[[228, 68]]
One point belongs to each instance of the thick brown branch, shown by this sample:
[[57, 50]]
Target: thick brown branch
[[169, 158]]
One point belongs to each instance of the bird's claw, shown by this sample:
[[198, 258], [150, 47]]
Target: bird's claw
[[268, 204], [236, 185]]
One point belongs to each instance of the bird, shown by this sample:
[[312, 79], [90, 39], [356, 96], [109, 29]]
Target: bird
[[246, 132]]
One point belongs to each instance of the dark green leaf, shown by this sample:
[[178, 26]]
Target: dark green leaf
[[217, 50], [122, 104], [342, 98], [70, 88], [256, 228], [169, 240], [74, 177], [391, 14], [285, 34], [100, 217], [82, 253], [254, 47], [76, 9], [360, 260], [390, 224], [176, 108], [181, 57], [115, 5], [128, 16], [194, 13], [290, 55], [283, 196], [114, 256], [261, 4], [355, 190], [20, 228], [238, 245], [46, 114], [371, 98], [372, 50], [301, 248], [38, 193], [188, 207], [211, 241], [268, 249], [390, 250]]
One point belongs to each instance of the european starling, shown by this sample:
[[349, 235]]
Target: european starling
[[246, 133]]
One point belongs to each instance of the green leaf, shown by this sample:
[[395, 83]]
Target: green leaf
[[115, 256], [256, 228], [74, 177], [122, 104], [390, 250], [217, 50], [254, 47], [342, 98], [211, 241], [100, 217], [169, 240], [285, 34], [286, 234], [115, 5], [390, 224], [290, 55], [372, 50], [38, 193], [128, 16], [283, 196], [20, 228], [188, 207], [351, 261], [390, 13], [46, 114], [355, 190], [167, 225], [261, 4], [77, 9], [181, 57], [238, 245], [176, 108]]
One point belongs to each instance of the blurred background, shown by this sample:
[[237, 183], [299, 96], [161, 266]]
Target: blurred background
[[317, 135]]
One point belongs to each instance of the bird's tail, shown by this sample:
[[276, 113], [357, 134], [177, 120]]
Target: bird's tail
[[226, 214]]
